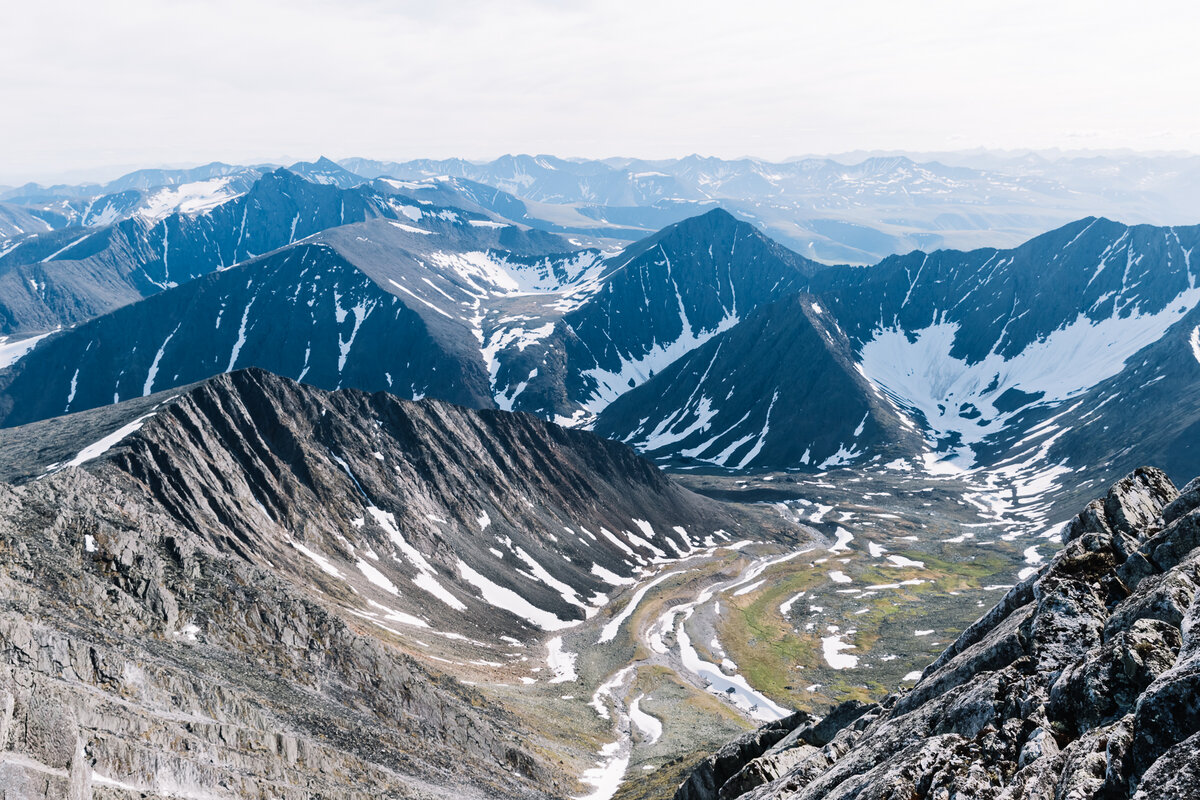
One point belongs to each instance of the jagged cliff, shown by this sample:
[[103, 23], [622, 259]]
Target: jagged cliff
[[1083, 682]]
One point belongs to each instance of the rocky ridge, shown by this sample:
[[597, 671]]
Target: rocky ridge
[[219, 597], [1081, 683]]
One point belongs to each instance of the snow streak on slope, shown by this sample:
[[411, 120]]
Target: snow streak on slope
[[501, 597], [495, 273], [99, 448], [957, 398], [12, 352], [636, 370]]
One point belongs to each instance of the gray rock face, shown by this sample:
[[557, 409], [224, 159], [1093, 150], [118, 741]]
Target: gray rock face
[[132, 652], [189, 616], [707, 779], [1083, 682], [348, 474]]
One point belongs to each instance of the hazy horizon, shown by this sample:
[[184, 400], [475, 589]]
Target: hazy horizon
[[101, 174], [133, 83]]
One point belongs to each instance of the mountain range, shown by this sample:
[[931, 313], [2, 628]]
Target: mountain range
[[705, 344], [368, 479], [856, 208], [223, 585]]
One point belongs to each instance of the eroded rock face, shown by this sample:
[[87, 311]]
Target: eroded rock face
[[103, 678], [188, 616], [1082, 683]]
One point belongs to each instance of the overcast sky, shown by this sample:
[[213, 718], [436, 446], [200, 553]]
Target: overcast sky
[[122, 83]]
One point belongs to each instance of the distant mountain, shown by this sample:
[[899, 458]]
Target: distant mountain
[[16, 221], [971, 341], [586, 221], [335, 310], [470, 310], [150, 194], [654, 302], [69, 276], [326, 172], [662, 344], [852, 208], [971, 348], [543, 179], [856, 209]]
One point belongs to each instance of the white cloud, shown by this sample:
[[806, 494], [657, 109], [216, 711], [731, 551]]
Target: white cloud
[[131, 81]]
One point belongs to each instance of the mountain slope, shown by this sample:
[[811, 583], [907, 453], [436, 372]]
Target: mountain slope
[[317, 311], [655, 301], [147, 193], [15, 221], [237, 574], [996, 369], [969, 348], [779, 389], [477, 311], [439, 494], [1081, 682], [1148, 412], [968, 341], [138, 660]]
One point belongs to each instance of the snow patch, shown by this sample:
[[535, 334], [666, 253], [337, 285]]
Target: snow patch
[[99, 448], [832, 648], [610, 630], [503, 598], [376, 577], [561, 662], [650, 727]]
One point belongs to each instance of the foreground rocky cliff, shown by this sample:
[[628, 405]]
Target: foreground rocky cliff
[[1083, 682], [206, 600], [134, 658]]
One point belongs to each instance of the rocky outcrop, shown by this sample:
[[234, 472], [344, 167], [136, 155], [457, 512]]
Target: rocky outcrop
[[137, 661], [712, 773], [1082, 683]]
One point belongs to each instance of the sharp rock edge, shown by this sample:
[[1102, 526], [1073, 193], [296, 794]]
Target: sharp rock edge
[[1081, 683]]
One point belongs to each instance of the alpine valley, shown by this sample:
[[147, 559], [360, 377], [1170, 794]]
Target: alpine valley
[[547, 478]]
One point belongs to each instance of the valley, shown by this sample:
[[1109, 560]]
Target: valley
[[852, 583], [731, 604], [558, 514], [599, 401]]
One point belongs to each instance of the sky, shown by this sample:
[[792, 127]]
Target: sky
[[102, 87]]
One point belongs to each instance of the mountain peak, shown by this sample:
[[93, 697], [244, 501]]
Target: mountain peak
[[713, 223]]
